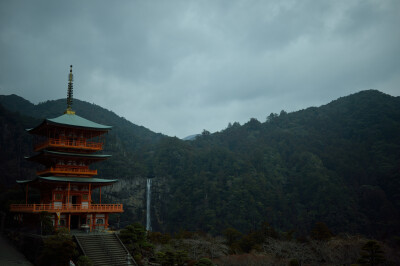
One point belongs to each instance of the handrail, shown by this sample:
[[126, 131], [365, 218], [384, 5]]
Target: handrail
[[126, 250], [63, 142], [67, 170], [80, 245], [66, 208]]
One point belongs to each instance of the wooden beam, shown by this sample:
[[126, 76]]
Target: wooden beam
[[93, 220], [90, 194]]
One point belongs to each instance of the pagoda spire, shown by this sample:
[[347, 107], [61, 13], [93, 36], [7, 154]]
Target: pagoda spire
[[70, 93]]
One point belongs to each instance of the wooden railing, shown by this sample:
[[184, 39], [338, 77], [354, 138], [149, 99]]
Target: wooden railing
[[68, 171], [65, 143], [66, 208]]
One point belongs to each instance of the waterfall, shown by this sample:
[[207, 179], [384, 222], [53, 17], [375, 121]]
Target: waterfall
[[148, 204]]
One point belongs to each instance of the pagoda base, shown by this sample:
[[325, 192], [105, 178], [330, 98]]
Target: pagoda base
[[86, 222], [67, 208]]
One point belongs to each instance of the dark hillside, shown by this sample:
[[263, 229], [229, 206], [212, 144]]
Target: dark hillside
[[338, 164], [15, 143]]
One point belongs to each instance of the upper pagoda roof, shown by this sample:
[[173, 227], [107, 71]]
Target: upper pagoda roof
[[66, 179], [70, 120], [41, 157]]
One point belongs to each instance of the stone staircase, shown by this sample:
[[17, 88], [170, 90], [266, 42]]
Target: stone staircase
[[104, 249]]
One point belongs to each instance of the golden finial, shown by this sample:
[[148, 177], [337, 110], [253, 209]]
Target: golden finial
[[70, 93]]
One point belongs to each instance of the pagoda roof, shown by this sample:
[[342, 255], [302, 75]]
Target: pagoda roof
[[71, 120], [66, 179], [47, 153]]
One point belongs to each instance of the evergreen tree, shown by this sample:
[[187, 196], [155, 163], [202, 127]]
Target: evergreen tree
[[372, 254], [134, 238]]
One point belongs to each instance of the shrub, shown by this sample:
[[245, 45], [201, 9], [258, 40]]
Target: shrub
[[321, 232], [294, 262], [204, 262], [58, 249], [84, 261]]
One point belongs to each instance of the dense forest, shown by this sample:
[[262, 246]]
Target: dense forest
[[338, 164]]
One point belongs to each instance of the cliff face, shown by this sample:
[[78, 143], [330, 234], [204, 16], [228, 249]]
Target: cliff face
[[132, 193]]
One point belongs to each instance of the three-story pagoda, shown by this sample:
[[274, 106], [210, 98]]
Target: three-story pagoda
[[66, 146]]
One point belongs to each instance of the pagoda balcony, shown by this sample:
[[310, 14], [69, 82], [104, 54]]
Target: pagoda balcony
[[68, 171], [73, 144], [66, 208]]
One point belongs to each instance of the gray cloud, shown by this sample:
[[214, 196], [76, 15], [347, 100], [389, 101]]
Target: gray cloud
[[178, 67]]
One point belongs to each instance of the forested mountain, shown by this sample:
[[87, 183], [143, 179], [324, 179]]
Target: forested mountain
[[132, 135], [338, 164], [125, 141], [15, 143]]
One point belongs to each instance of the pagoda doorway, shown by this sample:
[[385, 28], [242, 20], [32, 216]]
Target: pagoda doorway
[[75, 220]]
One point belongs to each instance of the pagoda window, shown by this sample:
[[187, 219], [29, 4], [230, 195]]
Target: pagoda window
[[58, 196], [85, 197], [99, 221]]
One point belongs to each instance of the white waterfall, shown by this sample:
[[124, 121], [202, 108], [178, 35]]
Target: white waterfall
[[148, 204]]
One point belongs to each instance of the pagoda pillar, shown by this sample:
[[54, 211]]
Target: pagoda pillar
[[69, 186], [90, 195], [93, 220]]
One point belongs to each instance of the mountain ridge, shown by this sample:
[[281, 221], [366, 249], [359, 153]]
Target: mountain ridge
[[337, 163]]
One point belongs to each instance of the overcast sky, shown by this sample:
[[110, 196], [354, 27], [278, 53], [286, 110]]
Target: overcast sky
[[178, 67]]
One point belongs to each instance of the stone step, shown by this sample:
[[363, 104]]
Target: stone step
[[103, 249]]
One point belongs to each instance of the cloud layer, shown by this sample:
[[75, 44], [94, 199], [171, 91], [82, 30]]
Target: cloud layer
[[178, 67]]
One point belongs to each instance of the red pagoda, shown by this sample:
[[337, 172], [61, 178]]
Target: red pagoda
[[66, 147]]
